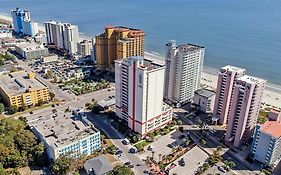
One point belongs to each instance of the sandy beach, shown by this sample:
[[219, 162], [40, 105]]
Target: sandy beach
[[271, 96]]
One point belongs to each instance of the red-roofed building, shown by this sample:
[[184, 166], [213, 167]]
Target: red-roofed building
[[267, 143]]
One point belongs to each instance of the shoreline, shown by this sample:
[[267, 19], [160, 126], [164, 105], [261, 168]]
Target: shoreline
[[271, 96]]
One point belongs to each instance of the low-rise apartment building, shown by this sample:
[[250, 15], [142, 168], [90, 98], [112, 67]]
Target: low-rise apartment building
[[267, 143], [31, 50], [67, 134], [22, 89]]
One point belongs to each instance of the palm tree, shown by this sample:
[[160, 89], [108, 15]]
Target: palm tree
[[159, 155], [152, 154]]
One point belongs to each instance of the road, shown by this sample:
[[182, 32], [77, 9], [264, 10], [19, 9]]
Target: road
[[240, 168], [102, 123]]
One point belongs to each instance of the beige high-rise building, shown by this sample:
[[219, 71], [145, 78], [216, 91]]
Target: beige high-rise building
[[244, 109], [226, 80], [117, 43]]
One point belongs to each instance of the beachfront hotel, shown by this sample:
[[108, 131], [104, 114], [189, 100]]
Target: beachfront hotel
[[244, 109], [22, 22], [139, 90], [227, 77], [63, 36], [116, 43], [266, 146], [22, 89], [184, 64], [67, 134]]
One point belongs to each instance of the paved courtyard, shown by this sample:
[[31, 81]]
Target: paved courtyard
[[193, 159], [160, 145]]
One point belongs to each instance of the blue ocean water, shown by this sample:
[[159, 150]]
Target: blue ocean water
[[245, 33]]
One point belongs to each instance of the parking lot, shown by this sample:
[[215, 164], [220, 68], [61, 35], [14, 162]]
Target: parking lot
[[193, 159], [164, 145]]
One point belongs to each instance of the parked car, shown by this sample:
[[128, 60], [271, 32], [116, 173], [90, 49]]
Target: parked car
[[181, 136], [127, 163], [126, 141], [221, 169]]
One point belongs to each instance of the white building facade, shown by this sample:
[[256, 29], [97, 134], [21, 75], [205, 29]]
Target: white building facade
[[139, 94], [64, 136], [184, 64], [204, 99], [266, 146], [63, 35]]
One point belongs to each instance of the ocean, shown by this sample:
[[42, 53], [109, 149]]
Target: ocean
[[245, 33]]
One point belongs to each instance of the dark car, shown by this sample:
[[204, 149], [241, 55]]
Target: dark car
[[127, 163], [181, 136]]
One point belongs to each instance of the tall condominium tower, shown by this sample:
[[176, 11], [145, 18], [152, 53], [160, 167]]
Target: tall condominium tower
[[62, 35], [244, 109], [116, 43], [22, 22], [139, 94], [184, 64], [226, 80]]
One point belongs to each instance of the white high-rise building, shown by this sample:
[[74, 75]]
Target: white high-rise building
[[139, 94], [225, 85], [266, 146], [244, 109], [184, 64], [63, 35]]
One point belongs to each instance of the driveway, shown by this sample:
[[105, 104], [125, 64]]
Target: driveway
[[102, 123]]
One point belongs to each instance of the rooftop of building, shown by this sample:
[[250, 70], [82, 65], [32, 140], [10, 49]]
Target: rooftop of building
[[233, 68], [19, 82], [273, 128], [62, 128], [60, 23], [189, 47], [276, 111], [147, 64], [30, 46], [132, 32], [205, 93], [251, 79]]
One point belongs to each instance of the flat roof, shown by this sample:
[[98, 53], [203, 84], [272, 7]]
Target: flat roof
[[251, 79], [273, 128], [17, 83], [30, 46], [205, 93], [189, 47], [62, 128], [233, 68]]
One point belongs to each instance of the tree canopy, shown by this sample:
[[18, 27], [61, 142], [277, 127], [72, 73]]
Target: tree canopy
[[19, 147], [121, 170]]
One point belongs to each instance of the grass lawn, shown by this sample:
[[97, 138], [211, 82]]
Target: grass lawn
[[142, 144]]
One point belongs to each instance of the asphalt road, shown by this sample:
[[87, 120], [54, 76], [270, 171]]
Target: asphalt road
[[101, 122]]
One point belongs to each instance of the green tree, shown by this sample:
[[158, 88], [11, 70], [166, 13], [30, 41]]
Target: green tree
[[52, 95], [62, 165], [219, 148], [2, 61], [203, 141], [121, 170], [13, 109], [2, 108]]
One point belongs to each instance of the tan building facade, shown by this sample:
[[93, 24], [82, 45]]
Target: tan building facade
[[117, 43], [22, 89]]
